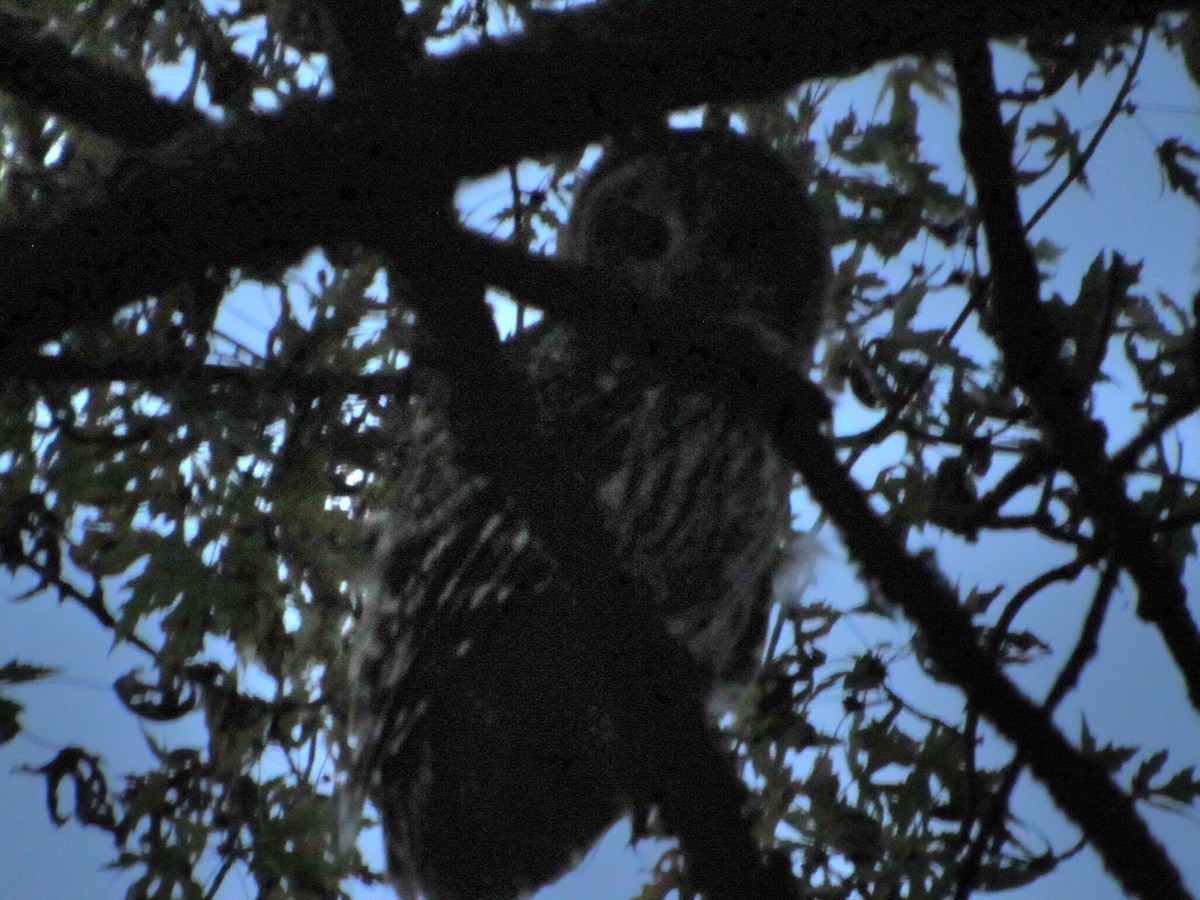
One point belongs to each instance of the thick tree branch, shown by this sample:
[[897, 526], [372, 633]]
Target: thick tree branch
[[622, 64], [376, 44], [318, 175], [170, 376], [331, 175], [42, 71], [577, 76], [1031, 348], [766, 385]]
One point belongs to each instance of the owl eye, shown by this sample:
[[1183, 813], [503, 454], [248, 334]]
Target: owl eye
[[634, 233]]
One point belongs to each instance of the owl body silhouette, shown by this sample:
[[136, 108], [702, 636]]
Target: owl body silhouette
[[482, 708]]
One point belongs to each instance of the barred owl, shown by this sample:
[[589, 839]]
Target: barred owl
[[483, 739]]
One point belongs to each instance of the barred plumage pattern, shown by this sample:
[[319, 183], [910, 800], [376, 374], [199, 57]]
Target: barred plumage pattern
[[484, 736]]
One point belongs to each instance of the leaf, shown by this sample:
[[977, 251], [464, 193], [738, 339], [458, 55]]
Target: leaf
[[14, 672], [1150, 767], [1179, 177], [170, 699], [1183, 787], [1063, 140], [1189, 34], [885, 745], [868, 673], [908, 302], [10, 719], [92, 803], [1111, 756]]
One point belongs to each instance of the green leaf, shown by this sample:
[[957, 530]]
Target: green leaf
[[1111, 756], [10, 719], [1182, 787], [1150, 767], [14, 672], [1172, 154]]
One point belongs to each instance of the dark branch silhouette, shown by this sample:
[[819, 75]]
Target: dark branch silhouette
[[613, 66], [283, 185], [1031, 347]]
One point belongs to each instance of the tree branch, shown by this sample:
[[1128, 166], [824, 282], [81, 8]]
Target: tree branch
[[318, 175], [170, 376], [1076, 167], [42, 71], [614, 65], [1031, 348], [1176, 410], [575, 77], [332, 174], [377, 46], [992, 822]]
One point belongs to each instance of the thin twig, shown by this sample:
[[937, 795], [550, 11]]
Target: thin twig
[[1077, 166]]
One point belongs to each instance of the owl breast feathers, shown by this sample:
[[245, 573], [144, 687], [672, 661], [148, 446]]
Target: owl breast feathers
[[484, 737]]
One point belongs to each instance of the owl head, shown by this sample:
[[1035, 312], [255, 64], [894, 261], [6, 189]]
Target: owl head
[[709, 220]]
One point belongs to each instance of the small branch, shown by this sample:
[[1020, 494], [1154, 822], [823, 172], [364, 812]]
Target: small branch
[[1077, 167], [1085, 648], [1176, 411], [172, 377], [219, 878], [885, 426], [1035, 464], [1066, 572], [93, 603], [1089, 639]]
